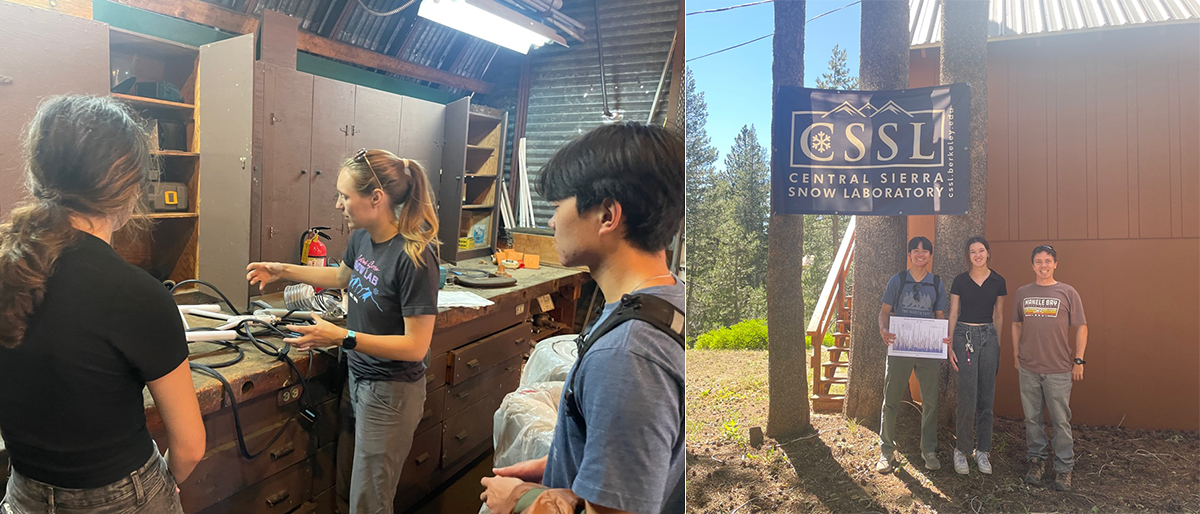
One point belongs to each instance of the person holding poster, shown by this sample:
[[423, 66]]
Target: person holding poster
[[912, 293]]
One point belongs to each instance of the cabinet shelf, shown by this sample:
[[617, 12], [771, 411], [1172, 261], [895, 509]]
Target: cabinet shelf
[[142, 102], [175, 153]]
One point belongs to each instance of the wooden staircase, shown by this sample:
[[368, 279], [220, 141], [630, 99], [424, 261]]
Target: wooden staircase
[[831, 366]]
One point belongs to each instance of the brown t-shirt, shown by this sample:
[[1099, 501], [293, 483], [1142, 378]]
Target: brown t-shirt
[[1045, 313]]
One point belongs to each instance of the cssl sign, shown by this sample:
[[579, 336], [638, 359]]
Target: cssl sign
[[871, 152]]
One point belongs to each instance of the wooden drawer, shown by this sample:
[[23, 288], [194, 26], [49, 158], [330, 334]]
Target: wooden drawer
[[433, 410], [324, 468], [464, 431], [505, 315], [326, 502], [224, 471], [494, 380], [435, 374], [278, 494], [423, 459], [473, 359]]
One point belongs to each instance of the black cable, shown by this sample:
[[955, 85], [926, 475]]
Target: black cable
[[237, 420], [210, 286], [246, 333]]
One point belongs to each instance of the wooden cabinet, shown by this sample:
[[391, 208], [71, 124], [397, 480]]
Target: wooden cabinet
[[333, 113], [471, 160], [287, 136], [300, 129], [45, 54]]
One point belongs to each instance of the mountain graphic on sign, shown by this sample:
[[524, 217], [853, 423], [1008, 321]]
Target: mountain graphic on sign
[[868, 110], [845, 108], [892, 108]]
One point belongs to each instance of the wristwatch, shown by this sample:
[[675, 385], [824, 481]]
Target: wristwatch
[[351, 340], [1080, 361]]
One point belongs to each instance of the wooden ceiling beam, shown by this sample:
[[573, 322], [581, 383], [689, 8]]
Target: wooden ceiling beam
[[203, 13], [232, 21], [326, 47]]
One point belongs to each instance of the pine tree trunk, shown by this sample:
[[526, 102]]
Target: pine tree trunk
[[964, 59], [880, 240], [787, 369]]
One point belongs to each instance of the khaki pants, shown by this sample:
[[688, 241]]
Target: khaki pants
[[895, 380]]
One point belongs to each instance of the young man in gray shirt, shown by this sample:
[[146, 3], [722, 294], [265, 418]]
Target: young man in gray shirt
[[1042, 314], [619, 440]]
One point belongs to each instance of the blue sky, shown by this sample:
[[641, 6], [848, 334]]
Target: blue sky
[[737, 83]]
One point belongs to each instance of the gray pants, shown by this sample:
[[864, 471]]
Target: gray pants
[[976, 384], [1051, 392], [895, 380], [148, 490], [379, 419]]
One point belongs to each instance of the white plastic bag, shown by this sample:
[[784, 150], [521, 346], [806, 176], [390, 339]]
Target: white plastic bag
[[550, 360], [524, 423]]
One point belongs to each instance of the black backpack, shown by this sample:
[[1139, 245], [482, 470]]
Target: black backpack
[[937, 286], [658, 313]]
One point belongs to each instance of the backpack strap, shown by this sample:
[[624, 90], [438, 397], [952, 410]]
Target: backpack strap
[[651, 309]]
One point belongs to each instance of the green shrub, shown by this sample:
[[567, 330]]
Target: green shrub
[[750, 334]]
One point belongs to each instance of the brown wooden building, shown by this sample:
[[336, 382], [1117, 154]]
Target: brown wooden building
[[1094, 148]]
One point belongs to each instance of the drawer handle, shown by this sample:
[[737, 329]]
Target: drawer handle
[[424, 457], [428, 414], [462, 395], [278, 498], [473, 363], [461, 435], [510, 369], [283, 452], [428, 379]]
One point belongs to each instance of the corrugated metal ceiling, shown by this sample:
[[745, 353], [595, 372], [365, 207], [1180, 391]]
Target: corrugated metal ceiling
[[1015, 18], [402, 35]]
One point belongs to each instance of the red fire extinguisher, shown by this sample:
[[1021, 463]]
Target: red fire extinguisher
[[313, 251]]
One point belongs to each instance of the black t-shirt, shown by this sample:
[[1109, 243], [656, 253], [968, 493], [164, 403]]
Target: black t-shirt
[[385, 286], [71, 408], [976, 302]]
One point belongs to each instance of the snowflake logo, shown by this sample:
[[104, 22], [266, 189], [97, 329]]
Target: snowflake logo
[[820, 142]]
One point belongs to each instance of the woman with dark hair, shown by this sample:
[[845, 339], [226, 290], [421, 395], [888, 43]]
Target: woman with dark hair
[[976, 309], [390, 273], [82, 332]]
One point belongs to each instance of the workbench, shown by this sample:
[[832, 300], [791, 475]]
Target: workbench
[[476, 358]]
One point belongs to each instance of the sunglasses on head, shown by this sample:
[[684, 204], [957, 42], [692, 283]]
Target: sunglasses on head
[[361, 157]]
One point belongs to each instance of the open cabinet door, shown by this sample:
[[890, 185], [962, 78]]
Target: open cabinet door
[[44, 54], [225, 107], [454, 167]]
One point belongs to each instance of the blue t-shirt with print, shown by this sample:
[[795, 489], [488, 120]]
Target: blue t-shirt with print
[[917, 299], [629, 455]]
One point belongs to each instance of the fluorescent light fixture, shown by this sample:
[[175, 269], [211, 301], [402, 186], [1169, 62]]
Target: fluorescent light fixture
[[490, 21]]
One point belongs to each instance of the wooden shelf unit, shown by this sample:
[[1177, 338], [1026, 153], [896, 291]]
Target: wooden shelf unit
[[475, 139], [170, 249]]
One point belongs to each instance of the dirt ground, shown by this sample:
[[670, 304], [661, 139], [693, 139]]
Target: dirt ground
[[1117, 469]]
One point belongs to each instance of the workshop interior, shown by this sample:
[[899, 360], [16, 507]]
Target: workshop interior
[[254, 105]]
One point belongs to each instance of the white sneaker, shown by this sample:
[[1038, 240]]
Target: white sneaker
[[985, 464], [931, 461], [960, 463], [884, 465]]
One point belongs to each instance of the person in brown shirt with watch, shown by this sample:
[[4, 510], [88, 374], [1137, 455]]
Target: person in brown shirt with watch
[[1043, 313]]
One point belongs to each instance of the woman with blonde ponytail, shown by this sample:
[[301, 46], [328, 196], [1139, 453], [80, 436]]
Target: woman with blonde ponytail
[[82, 332], [390, 273]]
